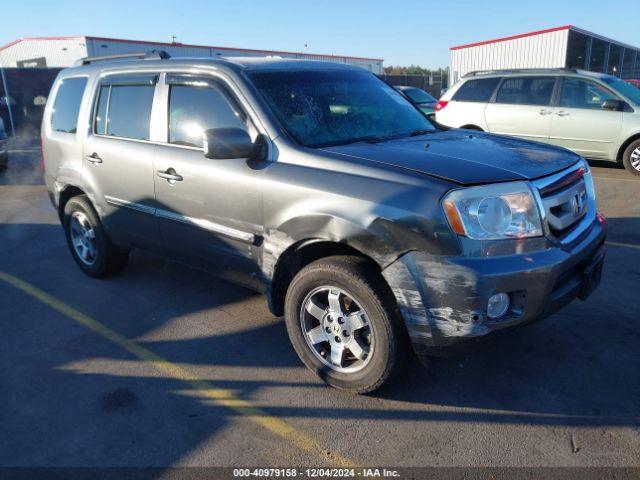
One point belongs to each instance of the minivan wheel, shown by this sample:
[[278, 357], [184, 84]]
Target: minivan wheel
[[88, 242], [343, 323], [631, 158]]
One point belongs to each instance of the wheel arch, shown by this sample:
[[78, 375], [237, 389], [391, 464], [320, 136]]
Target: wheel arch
[[471, 126], [625, 144], [67, 193], [303, 240]]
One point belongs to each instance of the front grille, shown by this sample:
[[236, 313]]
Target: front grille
[[565, 200]]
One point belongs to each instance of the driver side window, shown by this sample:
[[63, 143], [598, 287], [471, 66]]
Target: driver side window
[[196, 105], [577, 93]]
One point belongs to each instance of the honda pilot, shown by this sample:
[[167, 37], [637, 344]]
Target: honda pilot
[[374, 233]]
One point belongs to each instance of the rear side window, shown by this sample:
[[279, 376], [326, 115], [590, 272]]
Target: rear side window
[[526, 91], [123, 108], [67, 105], [479, 90], [198, 105]]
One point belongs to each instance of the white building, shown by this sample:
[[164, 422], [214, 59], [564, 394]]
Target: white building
[[64, 51], [560, 47]]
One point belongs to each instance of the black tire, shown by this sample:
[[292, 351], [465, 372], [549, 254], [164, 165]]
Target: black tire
[[109, 259], [626, 157], [364, 283]]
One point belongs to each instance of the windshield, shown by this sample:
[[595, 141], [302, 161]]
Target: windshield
[[321, 108], [419, 96], [626, 89]]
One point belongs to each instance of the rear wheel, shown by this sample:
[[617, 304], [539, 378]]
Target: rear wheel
[[88, 242], [631, 158], [343, 324]]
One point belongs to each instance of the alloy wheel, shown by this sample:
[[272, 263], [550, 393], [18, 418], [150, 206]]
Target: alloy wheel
[[83, 238], [337, 329]]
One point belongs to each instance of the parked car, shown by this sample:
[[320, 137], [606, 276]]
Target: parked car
[[421, 99], [4, 147], [593, 114], [370, 230], [635, 83]]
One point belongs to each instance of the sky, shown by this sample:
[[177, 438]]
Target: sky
[[402, 33]]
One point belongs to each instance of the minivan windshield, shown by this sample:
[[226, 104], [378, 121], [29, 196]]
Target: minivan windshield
[[321, 108], [626, 89]]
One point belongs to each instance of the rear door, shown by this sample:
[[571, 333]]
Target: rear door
[[118, 156], [522, 108], [467, 104], [211, 211], [579, 122]]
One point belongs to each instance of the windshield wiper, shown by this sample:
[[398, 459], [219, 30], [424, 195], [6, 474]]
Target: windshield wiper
[[415, 133]]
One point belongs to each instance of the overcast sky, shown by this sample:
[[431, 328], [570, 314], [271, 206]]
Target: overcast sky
[[403, 33]]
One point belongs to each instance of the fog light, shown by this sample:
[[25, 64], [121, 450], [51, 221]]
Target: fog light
[[498, 305]]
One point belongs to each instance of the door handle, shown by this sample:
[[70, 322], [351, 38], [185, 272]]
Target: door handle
[[545, 111], [170, 175], [94, 158], [562, 113]]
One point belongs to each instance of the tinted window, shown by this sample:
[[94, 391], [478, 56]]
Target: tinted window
[[577, 50], [100, 121], [476, 90], [615, 59], [628, 63], [194, 109], [129, 112], [336, 106], [578, 93], [598, 50], [526, 91], [67, 105]]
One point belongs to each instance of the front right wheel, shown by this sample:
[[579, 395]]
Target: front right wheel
[[631, 157], [343, 323]]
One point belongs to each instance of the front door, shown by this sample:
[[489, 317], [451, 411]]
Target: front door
[[210, 211], [118, 159], [522, 108], [579, 122]]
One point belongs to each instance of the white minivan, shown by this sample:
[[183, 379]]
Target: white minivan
[[593, 114]]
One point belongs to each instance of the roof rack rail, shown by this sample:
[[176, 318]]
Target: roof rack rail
[[519, 70], [150, 55]]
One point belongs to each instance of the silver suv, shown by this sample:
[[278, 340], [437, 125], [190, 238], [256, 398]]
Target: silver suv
[[593, 114], [373, 232]]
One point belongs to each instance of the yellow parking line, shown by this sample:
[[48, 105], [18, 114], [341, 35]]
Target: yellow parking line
[[207, 389], [620, 244]]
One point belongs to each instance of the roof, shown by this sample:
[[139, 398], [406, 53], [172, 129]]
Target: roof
[[540, 32], [187, 45], [234, 63], [535, 71]]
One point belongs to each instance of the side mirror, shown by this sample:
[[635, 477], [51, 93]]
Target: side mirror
[[614, 105], [222, 143]]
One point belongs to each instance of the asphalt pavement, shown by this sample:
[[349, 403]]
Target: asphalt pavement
[[167, 366]]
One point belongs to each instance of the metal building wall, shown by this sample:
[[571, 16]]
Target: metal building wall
[[543, 50], [58, 52]]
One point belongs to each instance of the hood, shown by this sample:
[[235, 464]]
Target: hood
[[465, 157]]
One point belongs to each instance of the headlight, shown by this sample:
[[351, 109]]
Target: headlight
[[492, 212]]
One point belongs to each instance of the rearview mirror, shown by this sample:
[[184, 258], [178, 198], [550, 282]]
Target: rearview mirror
[[222, 143], [614, 105]]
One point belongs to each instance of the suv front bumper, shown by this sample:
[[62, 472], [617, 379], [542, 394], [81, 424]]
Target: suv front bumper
[[443, 300]]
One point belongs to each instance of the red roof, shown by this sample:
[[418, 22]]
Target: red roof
[[513, 37], [148, 42]]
